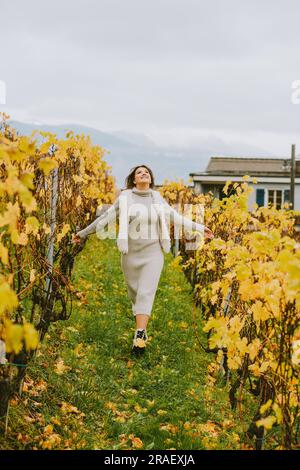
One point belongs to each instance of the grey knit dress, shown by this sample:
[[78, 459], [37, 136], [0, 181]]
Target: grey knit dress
[[143, 263]]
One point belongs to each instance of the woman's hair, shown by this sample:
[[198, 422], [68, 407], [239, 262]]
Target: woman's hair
[[130, 178]]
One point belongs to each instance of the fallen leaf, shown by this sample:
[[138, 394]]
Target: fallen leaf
[[68, 408], [60, 367], [136, 441]]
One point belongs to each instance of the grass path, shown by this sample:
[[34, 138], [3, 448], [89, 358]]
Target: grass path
[[86, 390]]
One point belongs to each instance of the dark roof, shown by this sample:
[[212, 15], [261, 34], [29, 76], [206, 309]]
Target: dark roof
[[250, 166]]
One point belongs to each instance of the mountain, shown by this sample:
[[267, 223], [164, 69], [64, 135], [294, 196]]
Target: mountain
[[129, 149], [135, 139]]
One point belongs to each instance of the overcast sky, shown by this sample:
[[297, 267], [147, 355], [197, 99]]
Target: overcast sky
[[178, 71]]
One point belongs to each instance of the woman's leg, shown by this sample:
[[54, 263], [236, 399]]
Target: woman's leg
[[141, 321], [147, 283]]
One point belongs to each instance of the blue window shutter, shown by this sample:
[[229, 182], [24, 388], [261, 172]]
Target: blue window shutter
[[286, 195], [260, 197]]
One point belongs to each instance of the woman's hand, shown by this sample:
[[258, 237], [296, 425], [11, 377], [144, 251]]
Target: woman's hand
[[76, 240], [208, 233]]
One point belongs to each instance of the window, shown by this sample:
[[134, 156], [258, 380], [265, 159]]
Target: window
[[275, 197], [260, 197]]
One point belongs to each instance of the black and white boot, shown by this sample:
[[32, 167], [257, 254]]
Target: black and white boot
[[139, 341]]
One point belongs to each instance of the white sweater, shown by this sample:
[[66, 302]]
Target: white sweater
[[113, 212]]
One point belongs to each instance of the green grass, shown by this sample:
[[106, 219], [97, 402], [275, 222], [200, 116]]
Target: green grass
[[164, 399]]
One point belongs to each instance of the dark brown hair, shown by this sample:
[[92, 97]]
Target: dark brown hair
[[130, 178]]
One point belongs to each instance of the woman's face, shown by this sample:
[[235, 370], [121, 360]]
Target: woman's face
[[142, 175]]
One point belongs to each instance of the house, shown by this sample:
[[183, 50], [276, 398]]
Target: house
[[272, 176]]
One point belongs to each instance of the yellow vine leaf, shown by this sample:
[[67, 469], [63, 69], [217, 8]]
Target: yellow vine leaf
[[78, 179], [10, 216], [225, 188], [78, 201], [13, 336], [19, 238], [32, 225], [236, 324], [215, 323], [260, 312], [245, 289], [64, 231], [176, 263], [234, 362], [47, 164], [46, 228], [267, 423], [8, 298], [27, 199], [265, 407], [27, 180], [3, 254], [26, 145], [31, 336], [242, 345], [259, 370], [253, 348], [218, 244], [243, 272]]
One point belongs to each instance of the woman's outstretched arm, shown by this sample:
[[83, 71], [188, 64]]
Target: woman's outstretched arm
[[100, 222], [180, 220]]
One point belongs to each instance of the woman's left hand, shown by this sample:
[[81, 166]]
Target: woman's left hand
[[76, 240], [208, 233]]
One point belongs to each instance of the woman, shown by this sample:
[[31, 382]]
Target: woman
[[142, 255]]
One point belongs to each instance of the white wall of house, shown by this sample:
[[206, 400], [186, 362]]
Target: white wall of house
[[273, 184]]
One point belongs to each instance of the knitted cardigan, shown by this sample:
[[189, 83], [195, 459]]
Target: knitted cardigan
[[125, 201]]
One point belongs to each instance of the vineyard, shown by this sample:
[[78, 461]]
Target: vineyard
[[226, 348], [246, 283], [47, 190]]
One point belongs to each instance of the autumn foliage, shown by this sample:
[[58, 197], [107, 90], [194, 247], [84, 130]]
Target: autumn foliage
[[49, 188], [246, 282]]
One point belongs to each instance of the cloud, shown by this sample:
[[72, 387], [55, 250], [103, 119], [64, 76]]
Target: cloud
[[162, 67]]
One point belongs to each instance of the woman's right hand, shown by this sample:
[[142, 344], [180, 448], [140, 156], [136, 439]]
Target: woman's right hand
[[76, 240]]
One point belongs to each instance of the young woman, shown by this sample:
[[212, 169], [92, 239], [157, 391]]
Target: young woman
[[142, 255]]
